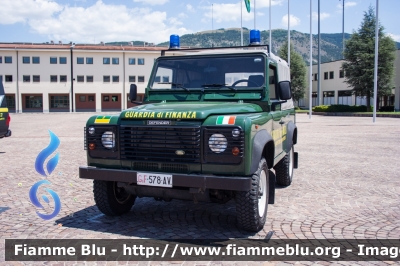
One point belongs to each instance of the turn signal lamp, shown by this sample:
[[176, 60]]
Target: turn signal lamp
[[235, 151], [92, 146], [255, 38], [174, 42]]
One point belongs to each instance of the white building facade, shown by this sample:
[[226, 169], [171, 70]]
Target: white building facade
[[41, 78], [333, 89]]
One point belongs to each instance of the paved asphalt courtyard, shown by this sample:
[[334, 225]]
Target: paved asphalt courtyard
[[347, 186]]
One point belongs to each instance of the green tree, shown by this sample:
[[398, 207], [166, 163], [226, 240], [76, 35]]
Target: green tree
[[360, 55], [298, 71]]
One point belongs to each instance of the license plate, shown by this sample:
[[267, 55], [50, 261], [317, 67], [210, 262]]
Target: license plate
[[155, 180]]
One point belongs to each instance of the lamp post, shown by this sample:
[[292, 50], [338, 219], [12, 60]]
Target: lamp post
[[343, 26]]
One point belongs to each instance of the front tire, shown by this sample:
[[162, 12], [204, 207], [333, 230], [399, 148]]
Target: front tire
[[284, 169], [252, 205], [110, 199]]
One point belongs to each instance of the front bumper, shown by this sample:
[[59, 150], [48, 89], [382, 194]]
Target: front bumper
[[179, 180]]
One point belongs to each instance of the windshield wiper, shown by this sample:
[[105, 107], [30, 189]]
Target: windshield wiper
[[177, 85], [218, 85]]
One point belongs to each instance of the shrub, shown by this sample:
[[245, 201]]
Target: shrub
[[386, 109], [337, 108]]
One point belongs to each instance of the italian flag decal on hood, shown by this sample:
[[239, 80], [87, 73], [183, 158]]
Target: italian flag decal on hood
[[226, 120]]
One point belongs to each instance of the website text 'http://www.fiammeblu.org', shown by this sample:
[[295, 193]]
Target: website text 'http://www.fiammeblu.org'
[[204, 250]]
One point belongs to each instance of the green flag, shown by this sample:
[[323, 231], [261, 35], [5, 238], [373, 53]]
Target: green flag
[[247, 2]]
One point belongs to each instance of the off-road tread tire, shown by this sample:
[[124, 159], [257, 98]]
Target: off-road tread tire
[[247, 202], [106, 201], [283, 177]]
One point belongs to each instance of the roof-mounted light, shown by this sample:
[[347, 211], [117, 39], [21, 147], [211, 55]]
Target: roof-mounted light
[[255, 37], [174, 42]]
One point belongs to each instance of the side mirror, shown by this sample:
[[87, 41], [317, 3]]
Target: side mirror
[[133, 93], [285, 90]]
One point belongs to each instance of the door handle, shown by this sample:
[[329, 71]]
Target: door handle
[[281, 122]]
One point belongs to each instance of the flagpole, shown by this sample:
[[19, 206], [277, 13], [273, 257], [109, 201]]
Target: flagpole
[[254, 14], [241, 23], [270, 35], [376, 61], [288, 33], [310, 73]]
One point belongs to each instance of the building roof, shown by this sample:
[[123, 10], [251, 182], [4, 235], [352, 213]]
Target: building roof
[[80, 47]]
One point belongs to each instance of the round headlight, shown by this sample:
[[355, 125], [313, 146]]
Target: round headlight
[[91, 130], [217, 143], [108, 139], [235, 132]]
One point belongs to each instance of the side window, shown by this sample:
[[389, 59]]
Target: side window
[[272, 82]]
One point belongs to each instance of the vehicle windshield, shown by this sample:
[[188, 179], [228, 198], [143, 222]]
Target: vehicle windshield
[[209, 72]]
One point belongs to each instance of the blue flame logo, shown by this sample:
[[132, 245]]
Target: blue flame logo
[[35, 200], [51, 165]]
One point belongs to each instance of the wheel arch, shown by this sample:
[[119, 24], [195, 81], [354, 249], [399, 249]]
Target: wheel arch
[[291, 136], [263, 146]]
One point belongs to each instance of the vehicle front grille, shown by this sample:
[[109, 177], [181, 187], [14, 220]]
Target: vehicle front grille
[[177, 144]]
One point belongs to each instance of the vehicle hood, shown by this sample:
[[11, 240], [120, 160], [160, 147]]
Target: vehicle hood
[[192, 110]]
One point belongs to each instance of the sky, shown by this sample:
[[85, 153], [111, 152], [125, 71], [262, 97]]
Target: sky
[[93, 21]]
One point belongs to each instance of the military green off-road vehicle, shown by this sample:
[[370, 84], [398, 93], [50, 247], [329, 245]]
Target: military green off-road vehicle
[[215, 125]]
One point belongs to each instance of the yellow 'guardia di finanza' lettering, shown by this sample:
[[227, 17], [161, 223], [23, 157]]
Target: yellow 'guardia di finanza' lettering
[[161, 115]]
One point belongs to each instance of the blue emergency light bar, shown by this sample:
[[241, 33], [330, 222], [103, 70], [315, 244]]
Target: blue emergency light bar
[[174, 42], [255, 37]]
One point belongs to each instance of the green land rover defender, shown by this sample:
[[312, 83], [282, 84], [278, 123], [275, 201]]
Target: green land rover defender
[[215, 125]]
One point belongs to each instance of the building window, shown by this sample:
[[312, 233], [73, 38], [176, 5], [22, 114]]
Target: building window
[[89, 60], [80, 78], [341, 74], [140, 61], [106, 60], [63, 60], [53, 60], [115, 78], [33, 101], [165, 78], [36, 78], [8, 78], [1, 59], [326, 75], [132, 61], [115, 61], [26, 60], [157, 79], [8, 59], [80, 60], [316, 76], [53, 78], [26, 78], [82, 98], [61, 101], [140, 78], [106, 78], [63, 78], [331, 75], [114, 98], [106, 98], [10, 101], [132, 78], [35, 59], [90, 98], [89, 78]]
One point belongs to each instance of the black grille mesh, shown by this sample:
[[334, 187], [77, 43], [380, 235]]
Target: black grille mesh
[[160, 144]]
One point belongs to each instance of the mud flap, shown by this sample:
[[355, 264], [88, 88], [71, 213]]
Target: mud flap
[[296, 160], [271, 193]]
